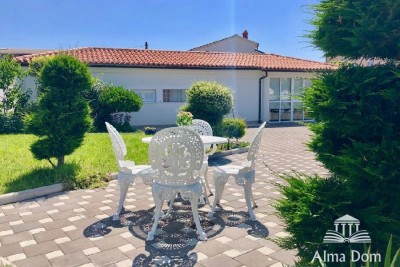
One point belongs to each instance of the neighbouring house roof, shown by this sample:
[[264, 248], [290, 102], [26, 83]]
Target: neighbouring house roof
[[21, 51], [225, 39], [118, 57]]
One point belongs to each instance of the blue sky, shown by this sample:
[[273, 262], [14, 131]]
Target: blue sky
[[277, 25]]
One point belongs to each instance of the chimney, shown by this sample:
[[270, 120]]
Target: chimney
[[146, 45], [245, 34]]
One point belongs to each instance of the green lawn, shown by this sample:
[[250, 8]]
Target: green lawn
[[88, 166]]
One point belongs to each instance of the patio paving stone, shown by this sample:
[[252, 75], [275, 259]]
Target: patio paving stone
[[107, 257], [39, 260], [40, 248], [255, 259], [74, 259], [220, 260]]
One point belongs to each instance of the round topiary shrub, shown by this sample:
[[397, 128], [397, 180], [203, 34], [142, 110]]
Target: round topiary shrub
[[209, 101]]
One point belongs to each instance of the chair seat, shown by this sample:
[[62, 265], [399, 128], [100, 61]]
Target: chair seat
[[128, 166], [229, 169]]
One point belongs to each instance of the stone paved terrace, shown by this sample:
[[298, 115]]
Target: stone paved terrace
[[74, 228]]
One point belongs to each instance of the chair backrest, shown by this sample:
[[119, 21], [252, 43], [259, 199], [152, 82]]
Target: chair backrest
[[201, 127], [177, 154], [117, 142], [255, 145]]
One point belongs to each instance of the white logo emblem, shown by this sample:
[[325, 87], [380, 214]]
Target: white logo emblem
[[349, 234]]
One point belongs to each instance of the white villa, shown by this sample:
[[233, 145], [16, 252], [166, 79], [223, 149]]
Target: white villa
[[265, 86]]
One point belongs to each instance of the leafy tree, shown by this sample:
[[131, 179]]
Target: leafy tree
[[63, 115], [11, 74], [209, 101], [14, 102]]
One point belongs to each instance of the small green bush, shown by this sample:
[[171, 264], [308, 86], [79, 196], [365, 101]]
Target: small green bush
[[11, 123], [209, 101], [233, 128], [184, 118]]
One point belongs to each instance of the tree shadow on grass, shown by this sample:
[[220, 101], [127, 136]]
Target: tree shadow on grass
[[43, 176]]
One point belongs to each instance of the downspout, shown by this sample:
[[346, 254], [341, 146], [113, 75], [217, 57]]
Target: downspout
[[260, 94]]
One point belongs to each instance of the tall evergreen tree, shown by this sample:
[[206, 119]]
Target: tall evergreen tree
[[63, 115]]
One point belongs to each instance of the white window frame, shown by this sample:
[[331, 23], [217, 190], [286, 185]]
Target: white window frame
[[292, 100], [142, 94], [175, 90]]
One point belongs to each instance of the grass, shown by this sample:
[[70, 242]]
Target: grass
[[88, 166]]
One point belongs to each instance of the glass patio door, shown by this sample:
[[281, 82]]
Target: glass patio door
[[284, 99]]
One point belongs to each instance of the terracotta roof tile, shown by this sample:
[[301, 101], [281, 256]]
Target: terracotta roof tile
[[119, 57]]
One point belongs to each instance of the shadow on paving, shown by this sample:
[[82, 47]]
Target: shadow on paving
[[175, 236]]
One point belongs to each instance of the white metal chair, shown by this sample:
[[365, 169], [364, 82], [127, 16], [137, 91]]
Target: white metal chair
[[244, 175], [177, 154], [127, 170], [203, 128]]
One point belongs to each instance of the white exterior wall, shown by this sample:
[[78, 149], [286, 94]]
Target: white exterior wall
[[243, 83], [234, 44]]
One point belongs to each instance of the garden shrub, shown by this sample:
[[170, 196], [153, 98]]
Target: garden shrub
[[107, 99], [233, 128], [209, 101], [63, 116], [309, 206], [11, 123]]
